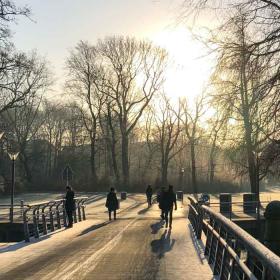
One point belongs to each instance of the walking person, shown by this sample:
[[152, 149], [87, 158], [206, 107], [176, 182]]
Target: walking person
[[112, 203], [69, 205], [168, 202], [149, 194], [159, 200]]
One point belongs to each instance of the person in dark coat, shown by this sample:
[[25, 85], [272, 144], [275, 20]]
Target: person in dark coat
[[159, 200], [168, 200], [69, 205], [149, 194], [112, 203]]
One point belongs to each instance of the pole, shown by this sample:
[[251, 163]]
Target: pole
[[12, 192], [67, 176]]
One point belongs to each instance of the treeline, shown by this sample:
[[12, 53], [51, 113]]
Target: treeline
[[115, 126]]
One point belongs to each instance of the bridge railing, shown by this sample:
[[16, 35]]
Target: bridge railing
[[231, 251], [235, 209], [44, 217], [5, 212]]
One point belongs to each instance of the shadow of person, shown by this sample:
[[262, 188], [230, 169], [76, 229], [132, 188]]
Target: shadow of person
[[163, 245], [93, 227], [156, 227], [143, 211]]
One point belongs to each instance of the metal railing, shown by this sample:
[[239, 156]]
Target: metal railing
[[5, 212], [41, 218], [240, 209], [231, 251]]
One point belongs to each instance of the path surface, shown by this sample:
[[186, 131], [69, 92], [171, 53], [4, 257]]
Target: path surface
[[136, 246]]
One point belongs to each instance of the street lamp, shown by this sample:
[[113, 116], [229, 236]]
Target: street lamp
[[13, 157], [182, 172]]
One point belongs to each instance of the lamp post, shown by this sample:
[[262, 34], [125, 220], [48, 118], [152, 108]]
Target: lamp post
[[183, 183], [13, 158]]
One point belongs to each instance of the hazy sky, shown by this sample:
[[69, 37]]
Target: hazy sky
[[58, 25]]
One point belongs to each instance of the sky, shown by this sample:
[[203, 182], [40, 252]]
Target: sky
[[57, 26]]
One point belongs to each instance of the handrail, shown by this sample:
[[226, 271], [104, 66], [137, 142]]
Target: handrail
[[40, 218], [258, 249], [227, 244]]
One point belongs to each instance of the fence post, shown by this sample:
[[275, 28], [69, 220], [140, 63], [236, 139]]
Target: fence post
[[35, 223], [75, 215], [21, 208], [44, 223], [51, 218], [199, 221], [79, 211], [64, 214], [83, 211], [58, 215], [25, 226]]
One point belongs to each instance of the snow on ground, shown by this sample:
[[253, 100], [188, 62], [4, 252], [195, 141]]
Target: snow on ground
[[15, 254]]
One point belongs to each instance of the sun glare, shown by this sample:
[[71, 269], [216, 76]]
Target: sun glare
[[190, 69]]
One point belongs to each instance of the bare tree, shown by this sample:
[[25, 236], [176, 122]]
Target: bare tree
[[110, 131], [217, 127], [53, 130], [168, 127], [27, 85], [9, 11], [191, 120], [150, 145], [81, 66], [132, 72], [246, 84]]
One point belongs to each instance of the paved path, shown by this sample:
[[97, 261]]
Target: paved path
[[136, 246]]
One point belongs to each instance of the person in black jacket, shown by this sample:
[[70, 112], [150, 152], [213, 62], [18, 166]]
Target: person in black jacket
[[149, 194], [112, 203], [168, 200], [69, 205], [159, 200]]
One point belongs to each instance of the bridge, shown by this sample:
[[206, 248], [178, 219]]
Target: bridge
[[207, 245]]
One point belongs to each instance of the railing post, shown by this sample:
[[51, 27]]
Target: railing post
[[217, 252], [51, 218], [64, 214], [224, 255], [79, 210], [58, 215], [199, 222], [44, 223], [35, 223], [21, 208], [83, 211], [211, 240], [75, 214], [26, 226]]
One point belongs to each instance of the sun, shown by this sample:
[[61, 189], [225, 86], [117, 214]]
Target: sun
[[191, 67]]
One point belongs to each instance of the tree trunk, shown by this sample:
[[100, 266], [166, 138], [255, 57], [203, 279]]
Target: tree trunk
[[115, 163], [211, 166], [164, 173], [125, 165], [252, 168], [112, 148], [92, 161], [27, 171], [246, 119], [193, 168], [250, 152]]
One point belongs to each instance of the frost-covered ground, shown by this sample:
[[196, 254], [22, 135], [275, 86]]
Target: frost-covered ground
[[136, 246]]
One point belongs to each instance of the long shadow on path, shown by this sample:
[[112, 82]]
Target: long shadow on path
[[198, 245], [163, 245], [22, 244], [94, 227], [156, 227]]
